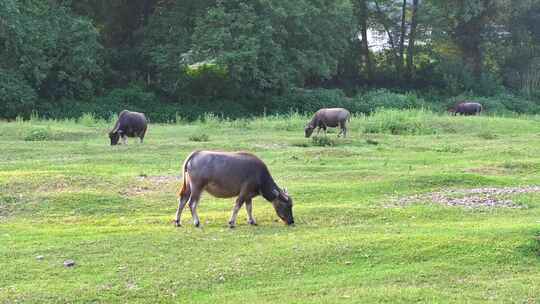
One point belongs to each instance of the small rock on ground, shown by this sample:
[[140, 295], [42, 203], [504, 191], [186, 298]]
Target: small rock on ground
[[69, 263]]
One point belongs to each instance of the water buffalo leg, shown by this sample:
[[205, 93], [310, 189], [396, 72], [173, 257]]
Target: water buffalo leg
[[343, 129], [249, 209], [141, 136], [181, 204], [193, 203], [237, 206]]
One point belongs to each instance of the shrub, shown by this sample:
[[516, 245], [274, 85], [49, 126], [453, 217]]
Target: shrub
[[211, 120], [300, 144], [487, 135], [450, 149], [88, 119], [38, 134], [501, 104], [377, 99], [199, 137], [398, 122], [322, 141], [370, 141]]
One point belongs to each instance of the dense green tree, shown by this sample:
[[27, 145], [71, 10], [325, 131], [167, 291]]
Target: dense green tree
[[521, 60], [47, 52], [275, 45], [168, 44], [412, 39], [467, 23], [363, 13]]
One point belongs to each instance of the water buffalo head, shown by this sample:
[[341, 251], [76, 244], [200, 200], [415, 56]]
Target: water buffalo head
[[309, 130], [283, 205], [114, 136]]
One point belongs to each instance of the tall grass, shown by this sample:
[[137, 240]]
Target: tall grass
[[382, 121], [414, 122]]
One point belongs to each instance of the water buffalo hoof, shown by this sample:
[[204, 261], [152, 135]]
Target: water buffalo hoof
[[231, 225], [177, 224], [197, 224], [252, 223]]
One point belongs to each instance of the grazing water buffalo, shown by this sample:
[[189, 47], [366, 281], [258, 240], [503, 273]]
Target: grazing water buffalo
[[467, 108], [333, 117], [225, 175], [132, 124]]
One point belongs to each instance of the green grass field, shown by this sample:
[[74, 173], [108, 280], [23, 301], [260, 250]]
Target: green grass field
[[65, 193]]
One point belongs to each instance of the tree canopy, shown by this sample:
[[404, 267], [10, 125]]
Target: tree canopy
[[188, 51]]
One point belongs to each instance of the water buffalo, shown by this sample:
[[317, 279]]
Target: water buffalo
[[467, 108], [332, 117], [129, 124], [225, 175]]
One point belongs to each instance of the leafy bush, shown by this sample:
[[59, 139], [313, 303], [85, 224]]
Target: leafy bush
[[38, 134], [501, 104], [88, 119], [370, 141], [376, 99], [302, 103], [487, 135], [322, 141], [450, 149], [300, 144], [199, 137], [399, 122]]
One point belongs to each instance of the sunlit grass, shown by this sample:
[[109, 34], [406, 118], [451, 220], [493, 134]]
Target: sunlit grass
[[72, 196]]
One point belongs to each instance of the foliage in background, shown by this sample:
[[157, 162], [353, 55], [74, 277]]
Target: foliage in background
[[242, 58], [275, 45], [47, 53]]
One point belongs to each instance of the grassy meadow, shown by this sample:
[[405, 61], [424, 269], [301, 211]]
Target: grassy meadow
[[65, 193]]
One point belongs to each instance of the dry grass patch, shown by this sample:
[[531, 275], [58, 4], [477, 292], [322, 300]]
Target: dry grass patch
[[148, 184], [472, 198]]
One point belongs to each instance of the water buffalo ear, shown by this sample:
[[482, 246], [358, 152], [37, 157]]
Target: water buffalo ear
[[284, 195]]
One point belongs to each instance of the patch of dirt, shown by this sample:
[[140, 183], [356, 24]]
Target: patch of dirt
[[54, 186], [338, 153], [486, 171], [270, 146], [159, 179], [146, 184], [471, 198]]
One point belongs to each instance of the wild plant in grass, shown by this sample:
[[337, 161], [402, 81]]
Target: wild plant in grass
[[88, 119], [39, 134], [322, 141], [34, 117], [211, 120], [201, 137], [488, 135], [399, 122]]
